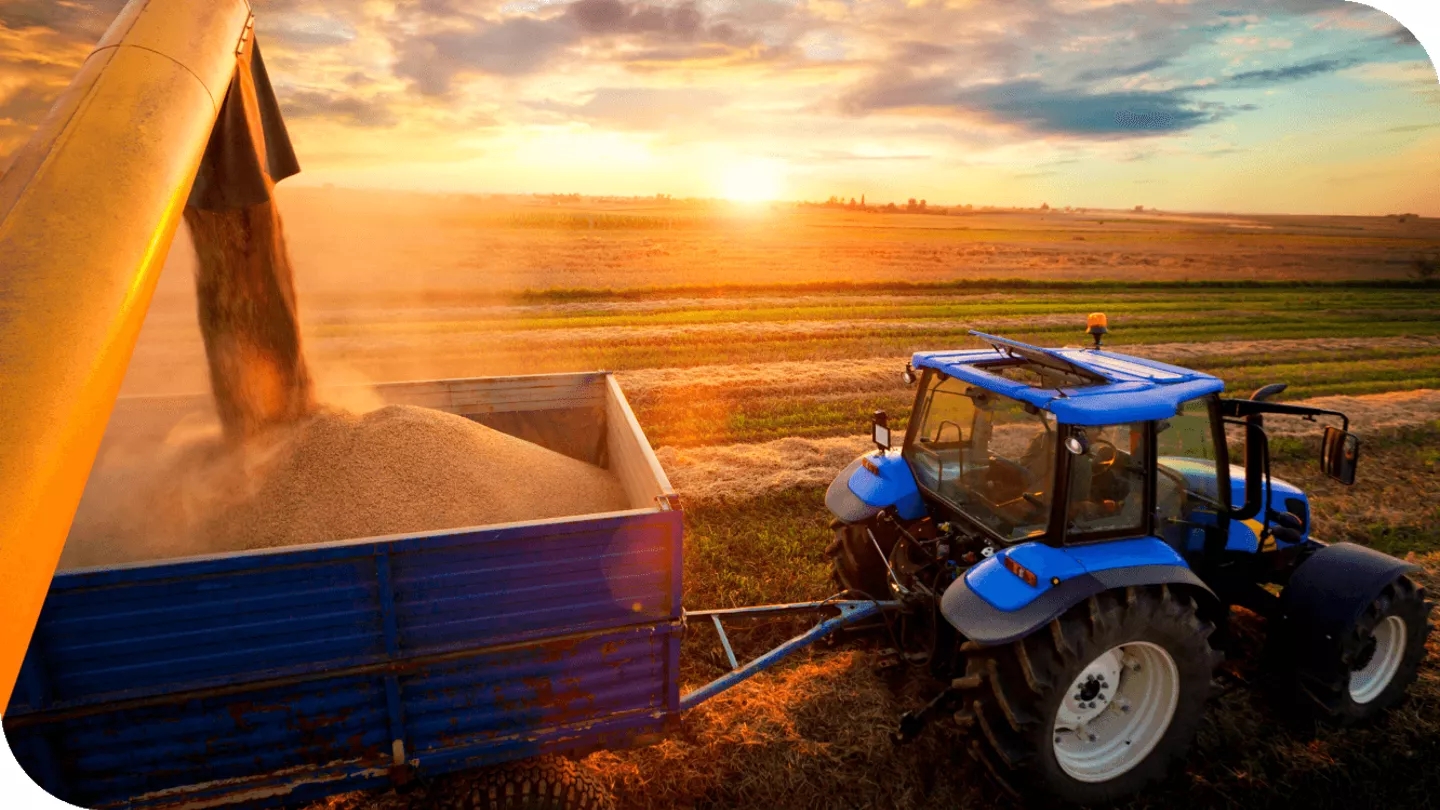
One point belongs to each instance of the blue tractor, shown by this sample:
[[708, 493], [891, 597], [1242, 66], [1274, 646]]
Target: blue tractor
[[1067, 534]]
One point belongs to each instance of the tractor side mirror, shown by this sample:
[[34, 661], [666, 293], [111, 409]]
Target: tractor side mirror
[[1339, 454], [880, 431]]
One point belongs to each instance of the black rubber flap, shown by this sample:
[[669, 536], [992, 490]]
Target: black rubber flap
[[249, 149]]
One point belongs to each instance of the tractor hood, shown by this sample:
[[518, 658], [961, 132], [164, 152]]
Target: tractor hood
[[1244, 534]]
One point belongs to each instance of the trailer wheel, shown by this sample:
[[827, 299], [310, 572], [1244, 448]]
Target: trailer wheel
[[1103, 701], [1369, 666], [858, 565], [541, 783]]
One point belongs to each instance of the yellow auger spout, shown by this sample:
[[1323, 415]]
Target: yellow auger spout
[[87, 214]]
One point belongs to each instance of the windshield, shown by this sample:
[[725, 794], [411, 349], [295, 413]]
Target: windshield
[[989, 456]]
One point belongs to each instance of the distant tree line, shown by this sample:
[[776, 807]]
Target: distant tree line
[[914, 206], [911, 206]]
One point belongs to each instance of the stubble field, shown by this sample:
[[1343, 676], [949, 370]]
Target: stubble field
[[755, 344]]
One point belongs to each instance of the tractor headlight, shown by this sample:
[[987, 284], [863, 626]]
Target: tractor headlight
[[1077, 443], [908, 375]]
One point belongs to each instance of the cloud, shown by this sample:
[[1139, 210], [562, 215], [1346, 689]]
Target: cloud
[[350, 109], [525, 45], [82, 20], [851, 156], [644, 108], [913, 52], [1101, 74], [1414, 127], [1400, 35], [309, 30], [514, 47], [27, 104], [683, 22], [1043, 110], [1289, 73]]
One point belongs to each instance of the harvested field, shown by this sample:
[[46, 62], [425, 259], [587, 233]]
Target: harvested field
[[368, 239], [754, 351], [335, 476]]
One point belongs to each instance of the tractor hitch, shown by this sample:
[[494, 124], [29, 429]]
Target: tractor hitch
[[913, 723]]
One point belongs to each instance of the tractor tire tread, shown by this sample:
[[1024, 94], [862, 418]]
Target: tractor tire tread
[[1021, 684], [540, 783], [858, 567]]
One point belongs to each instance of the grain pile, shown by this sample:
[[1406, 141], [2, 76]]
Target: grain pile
[[333, 476]]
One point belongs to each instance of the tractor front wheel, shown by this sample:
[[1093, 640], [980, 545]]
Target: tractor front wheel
[[859, 568], [1101, 702]]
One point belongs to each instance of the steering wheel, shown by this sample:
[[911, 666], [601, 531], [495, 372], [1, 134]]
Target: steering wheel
[[1101, 463]]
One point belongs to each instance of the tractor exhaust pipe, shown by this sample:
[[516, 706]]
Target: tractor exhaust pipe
[[1257, 457]]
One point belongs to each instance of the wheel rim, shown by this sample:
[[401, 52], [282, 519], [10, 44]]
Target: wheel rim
[[1375, 671], [1116, 712]]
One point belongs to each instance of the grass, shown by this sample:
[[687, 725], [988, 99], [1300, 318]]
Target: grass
[[557, 295], [546, 351], [1382, 303]]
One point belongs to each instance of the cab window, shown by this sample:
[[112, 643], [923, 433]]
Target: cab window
[[1107, 482], [989, 456], [1188, 484]]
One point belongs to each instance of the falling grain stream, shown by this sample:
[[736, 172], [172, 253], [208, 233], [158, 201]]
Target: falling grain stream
[[245, 287]]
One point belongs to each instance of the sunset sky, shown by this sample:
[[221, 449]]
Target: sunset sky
[[1303, 106]]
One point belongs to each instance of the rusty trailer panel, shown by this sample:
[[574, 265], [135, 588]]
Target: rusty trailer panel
[[279, 676]]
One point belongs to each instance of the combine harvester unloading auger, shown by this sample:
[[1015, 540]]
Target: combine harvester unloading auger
[[1061, 529]]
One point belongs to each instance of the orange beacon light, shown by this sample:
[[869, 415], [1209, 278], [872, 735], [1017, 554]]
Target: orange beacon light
[[1095, 324]]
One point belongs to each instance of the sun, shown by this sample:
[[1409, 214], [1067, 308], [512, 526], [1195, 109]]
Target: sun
[[752, 181]]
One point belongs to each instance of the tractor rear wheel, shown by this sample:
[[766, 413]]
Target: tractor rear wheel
[[859, 568], [1368, 668], [1103, 701]]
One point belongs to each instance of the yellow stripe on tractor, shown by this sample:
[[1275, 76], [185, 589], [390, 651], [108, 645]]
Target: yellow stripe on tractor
[[1268, 543]]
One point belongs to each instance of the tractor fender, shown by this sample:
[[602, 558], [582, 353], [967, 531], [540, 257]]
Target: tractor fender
[[873, 483], [1329, 591], [991, 605]]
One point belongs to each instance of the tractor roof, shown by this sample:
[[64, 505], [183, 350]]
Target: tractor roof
[[1094, 387]]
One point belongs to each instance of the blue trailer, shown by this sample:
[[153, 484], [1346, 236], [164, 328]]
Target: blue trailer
[[279, 676]]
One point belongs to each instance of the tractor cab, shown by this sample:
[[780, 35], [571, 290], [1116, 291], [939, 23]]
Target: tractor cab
[[1068, 445], [1019, 444]]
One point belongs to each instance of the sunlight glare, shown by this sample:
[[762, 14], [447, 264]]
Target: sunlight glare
[[752, 181]]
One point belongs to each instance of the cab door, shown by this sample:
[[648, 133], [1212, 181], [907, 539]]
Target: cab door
[[1193, 492]]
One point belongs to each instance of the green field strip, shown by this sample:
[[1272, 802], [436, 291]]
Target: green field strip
[[963, 286], [1200, 328], [612, 355], [1387, 304], [618, 355]]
